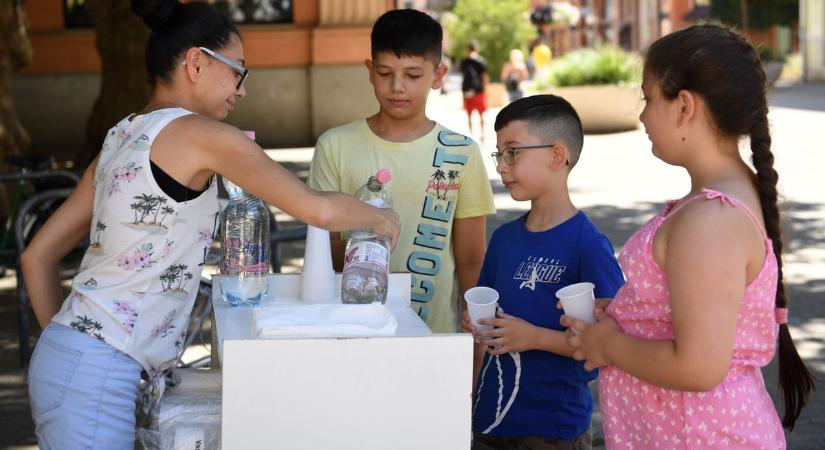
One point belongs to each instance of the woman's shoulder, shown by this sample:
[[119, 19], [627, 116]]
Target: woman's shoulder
[[197, 127]]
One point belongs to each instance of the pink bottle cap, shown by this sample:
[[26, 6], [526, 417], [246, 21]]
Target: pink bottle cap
[[383, 176], [250, 134]]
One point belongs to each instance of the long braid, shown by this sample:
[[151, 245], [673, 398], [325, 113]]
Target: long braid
[[795, 381]]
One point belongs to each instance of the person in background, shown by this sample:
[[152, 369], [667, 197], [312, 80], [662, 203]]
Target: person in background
[[514, 73], [474, 80]]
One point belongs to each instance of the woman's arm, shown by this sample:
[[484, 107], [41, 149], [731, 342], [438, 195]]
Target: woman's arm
[[58, 236], [505, 71], [706, 258], [224, 149]]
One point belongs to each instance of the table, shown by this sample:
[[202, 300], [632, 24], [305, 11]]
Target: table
[[410, 391]]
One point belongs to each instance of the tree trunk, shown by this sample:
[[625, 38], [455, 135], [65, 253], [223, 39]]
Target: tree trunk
[[743, 9], [124, 87], [15, 52]]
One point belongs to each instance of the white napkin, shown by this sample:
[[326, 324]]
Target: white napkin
[[323, 320]]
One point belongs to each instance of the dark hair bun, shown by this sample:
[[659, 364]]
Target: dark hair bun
[[155, 12]]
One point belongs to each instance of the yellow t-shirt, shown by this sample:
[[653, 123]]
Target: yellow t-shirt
[[435, 179], [541, 55]]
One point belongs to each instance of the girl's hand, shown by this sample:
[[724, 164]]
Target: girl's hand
[[601, 305], [387, 224], [510, 334], [591, 340]]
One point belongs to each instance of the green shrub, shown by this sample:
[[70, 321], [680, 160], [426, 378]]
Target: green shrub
[[497, 25], [602, 65]]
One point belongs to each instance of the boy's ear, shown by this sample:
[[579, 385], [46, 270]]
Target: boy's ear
[[561, 157], [368, 65], [439, 75]]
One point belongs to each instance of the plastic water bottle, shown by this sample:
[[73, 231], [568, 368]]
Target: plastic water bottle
[[367, 256], [245, 262]]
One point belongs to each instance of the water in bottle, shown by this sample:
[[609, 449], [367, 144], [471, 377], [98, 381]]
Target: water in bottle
[[245, 262], [367, 255]]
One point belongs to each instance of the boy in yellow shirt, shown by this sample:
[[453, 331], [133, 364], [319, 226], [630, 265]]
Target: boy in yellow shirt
[[439, 187]]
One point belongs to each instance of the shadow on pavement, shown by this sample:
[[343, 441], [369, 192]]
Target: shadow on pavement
[[805, 228], [799, 96]]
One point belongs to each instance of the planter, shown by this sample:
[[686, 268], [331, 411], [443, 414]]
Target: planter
[[496, 95], [604, 108], [773, 70]]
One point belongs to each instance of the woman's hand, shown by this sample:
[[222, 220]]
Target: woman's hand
[[510, 334], [387, 224], [591, 339]]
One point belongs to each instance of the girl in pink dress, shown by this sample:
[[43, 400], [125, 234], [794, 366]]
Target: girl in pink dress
[[683, 342]]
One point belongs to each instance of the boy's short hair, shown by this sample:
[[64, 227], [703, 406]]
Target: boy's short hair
[[407, 32], [548, 117]]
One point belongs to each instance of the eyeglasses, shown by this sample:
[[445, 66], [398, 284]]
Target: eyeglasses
[[509, 153], [242, 71]]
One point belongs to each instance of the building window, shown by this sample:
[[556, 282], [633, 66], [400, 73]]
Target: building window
[[77, 14], [256, 11]]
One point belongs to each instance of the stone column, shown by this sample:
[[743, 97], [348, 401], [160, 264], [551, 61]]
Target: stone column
[[812, 37]]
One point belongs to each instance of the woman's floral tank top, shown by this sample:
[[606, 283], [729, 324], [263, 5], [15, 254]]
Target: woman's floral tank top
[[139, 277]]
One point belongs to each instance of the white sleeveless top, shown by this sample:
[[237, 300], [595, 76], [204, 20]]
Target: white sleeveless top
[[139, 277]]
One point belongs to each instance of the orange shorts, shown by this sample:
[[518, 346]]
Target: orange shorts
[[477, 102]]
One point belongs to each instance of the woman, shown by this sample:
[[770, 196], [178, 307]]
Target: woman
[[151, 195], [513, 73]]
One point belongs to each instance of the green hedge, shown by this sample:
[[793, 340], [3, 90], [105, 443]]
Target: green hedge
[[602, 65]]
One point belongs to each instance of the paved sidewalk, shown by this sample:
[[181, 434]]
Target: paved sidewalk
[[620, 185]]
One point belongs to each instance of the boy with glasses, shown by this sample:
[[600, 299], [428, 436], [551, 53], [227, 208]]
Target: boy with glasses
[[531, 394]]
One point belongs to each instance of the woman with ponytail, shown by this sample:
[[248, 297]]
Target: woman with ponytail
[[704, 306], [151, 195]]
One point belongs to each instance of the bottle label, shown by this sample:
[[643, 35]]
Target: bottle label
[[369, 252], [245, 256]]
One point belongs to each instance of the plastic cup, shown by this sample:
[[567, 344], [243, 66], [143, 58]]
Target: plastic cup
[[317, 252], [318, 288], [578, 301], [482, 302], [317, 277]]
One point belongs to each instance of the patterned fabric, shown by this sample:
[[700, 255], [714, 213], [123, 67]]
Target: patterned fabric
[[736, 414], [139, 277], [437, 178]]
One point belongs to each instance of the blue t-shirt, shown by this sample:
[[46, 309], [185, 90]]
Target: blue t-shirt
[[538, 393]]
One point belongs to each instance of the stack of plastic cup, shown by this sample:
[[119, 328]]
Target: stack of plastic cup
[[578, 301], [318, 277]]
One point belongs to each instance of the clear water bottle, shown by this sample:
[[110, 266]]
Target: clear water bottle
[[367, 256], [245, 261]]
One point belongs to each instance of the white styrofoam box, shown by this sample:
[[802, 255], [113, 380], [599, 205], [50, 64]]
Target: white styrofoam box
[[400, 393]]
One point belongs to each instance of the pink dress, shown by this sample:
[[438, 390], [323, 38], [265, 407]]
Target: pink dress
[[736, 414]]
